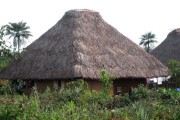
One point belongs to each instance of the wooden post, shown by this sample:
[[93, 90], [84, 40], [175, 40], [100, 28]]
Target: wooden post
[[62, 85], [55, 84]]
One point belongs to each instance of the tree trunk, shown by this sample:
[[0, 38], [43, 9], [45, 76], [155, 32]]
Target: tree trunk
[[148, 46], [18, 43]]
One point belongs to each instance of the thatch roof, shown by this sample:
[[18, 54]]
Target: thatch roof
[[169, 48], [80, 45]]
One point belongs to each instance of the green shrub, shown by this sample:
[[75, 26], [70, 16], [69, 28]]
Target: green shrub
[[140, 93], [121, 101], [106, 81], [72, 92]]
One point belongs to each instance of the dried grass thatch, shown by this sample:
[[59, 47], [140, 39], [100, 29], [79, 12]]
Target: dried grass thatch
[[79, 46], [169, 48]]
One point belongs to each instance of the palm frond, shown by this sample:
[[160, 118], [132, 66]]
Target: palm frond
[[141, 42], [147, 39]]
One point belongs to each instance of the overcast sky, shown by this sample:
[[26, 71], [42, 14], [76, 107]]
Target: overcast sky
[[131, 17]]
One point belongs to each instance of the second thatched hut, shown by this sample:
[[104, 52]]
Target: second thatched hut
[[169, 48]]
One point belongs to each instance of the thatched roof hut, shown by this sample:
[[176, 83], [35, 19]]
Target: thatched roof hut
[[169, 48], [79, 46]]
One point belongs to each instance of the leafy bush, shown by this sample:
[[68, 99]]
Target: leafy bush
[[72, 92], [106, 81], [140, 93], [5, 87], [121, 101]]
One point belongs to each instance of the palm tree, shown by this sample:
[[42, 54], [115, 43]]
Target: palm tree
[[146, 40], [19, 32]]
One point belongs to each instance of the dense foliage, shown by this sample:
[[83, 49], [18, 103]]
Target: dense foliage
[[5, 52], [174, 68], [77, 102]]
